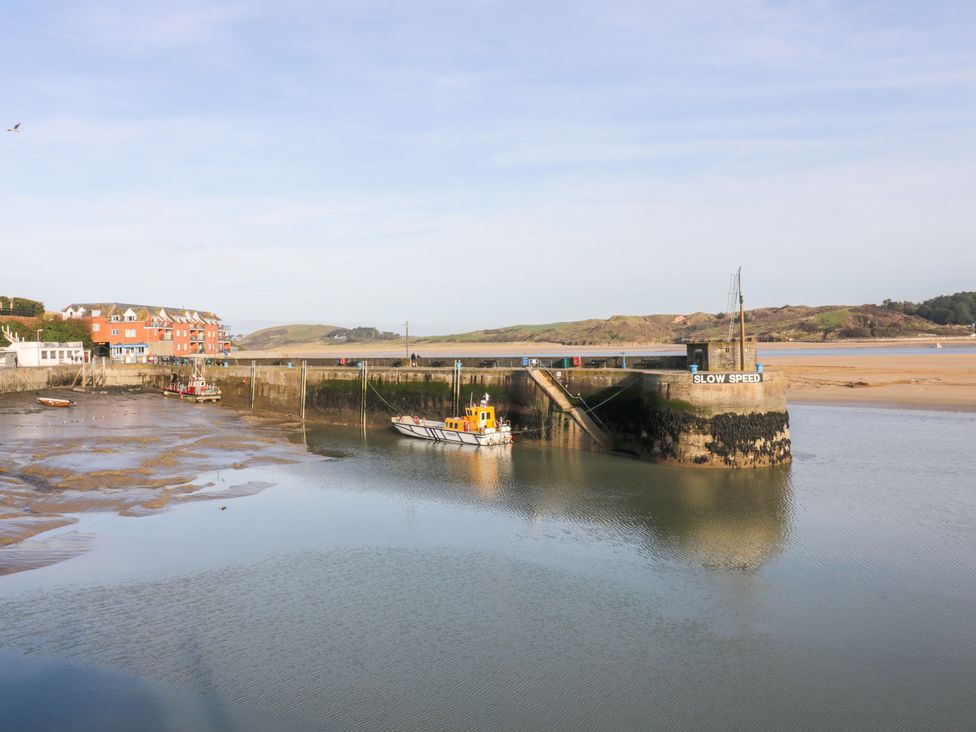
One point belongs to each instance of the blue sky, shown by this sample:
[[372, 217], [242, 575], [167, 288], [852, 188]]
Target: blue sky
[[477, 164]]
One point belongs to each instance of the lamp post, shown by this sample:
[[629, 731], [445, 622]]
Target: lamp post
[[406, 340]]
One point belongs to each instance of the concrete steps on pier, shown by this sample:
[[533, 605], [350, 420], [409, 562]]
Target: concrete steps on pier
[[558, 394]]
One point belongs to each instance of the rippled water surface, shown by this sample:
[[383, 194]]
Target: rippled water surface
[[415, 586]]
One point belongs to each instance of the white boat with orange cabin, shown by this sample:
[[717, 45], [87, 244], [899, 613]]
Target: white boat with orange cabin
[[478, 426]]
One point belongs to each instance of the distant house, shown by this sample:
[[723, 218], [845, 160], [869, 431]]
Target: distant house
[[136, 333]]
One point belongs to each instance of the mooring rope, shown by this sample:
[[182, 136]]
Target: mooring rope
[[62, 423], [392, 408], [615, 394], [586, 410], [532, 429]]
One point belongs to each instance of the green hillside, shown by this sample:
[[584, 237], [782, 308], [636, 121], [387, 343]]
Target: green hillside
[[798, 323], [787, 323], [282, 336]]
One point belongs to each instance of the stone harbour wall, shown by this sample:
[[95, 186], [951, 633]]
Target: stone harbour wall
[[660, 416]]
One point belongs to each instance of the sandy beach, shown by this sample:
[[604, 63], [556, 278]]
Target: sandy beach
[[944, 382]]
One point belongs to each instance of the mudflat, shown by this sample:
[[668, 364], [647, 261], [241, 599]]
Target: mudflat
[[133, 454]]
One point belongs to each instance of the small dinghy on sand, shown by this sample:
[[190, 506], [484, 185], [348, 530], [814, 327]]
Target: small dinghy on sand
[[52, 402]]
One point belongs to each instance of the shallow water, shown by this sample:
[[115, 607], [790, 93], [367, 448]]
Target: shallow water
[[416, 586], [132, 453]]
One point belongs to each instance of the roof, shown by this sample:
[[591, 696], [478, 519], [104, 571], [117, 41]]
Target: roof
[[143, 311], [34, 345]]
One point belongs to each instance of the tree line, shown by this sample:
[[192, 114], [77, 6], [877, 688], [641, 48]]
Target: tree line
[[20, 306], [53, 330], [957, 309]]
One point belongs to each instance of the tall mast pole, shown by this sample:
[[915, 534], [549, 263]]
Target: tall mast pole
[[742, 326], [406, 341]]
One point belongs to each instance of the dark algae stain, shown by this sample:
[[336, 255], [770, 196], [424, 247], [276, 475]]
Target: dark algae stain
[[659, 429], [663, 430], [429, 398], [758, 437]]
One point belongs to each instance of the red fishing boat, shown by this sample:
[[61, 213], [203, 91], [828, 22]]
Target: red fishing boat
[[194, 389]]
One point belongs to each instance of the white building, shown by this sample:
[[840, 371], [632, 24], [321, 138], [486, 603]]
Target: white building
[[44, 353], [47, 353]]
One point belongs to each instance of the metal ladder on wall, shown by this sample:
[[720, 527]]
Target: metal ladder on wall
[[557, 392]]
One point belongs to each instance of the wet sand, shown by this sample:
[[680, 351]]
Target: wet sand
[[132, 454], [938, 381]]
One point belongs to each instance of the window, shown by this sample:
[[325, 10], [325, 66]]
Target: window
[[115, 318], [44, 355], [115, 331], [130, 332], [60, 355], [96, 327]]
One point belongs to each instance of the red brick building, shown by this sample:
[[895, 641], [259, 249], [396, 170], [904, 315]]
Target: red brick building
[[134, 333]]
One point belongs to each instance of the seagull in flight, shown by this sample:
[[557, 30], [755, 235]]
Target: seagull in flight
[[15, 128]]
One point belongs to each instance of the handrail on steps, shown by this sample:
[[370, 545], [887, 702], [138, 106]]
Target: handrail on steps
[[586, 412]]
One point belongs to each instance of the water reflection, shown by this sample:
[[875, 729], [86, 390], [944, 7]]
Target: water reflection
[[712, 518], [734, 520], [485, 470]]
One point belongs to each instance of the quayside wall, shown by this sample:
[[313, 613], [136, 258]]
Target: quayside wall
[[107, 375], [657, 415], [663, 416], [35, 379]]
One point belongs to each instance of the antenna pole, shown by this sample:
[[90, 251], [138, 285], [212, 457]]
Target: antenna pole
[[742, 326]]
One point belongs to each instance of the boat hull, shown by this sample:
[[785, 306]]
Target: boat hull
[[191, 397], [48, 402], [426, 429]]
